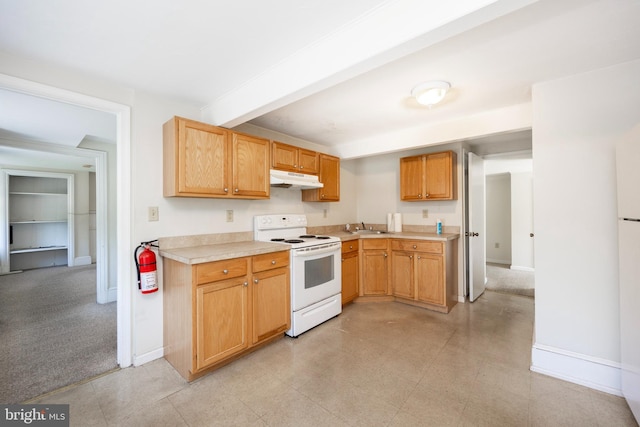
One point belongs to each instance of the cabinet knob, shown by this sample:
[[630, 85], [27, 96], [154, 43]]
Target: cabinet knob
[[419, 196], [418, 256], [245, 284], [342, 259], [385, 255], [410, 256], [426, 195], [225, 271], [236, 190], [350, 246], [322, 196], [415, 246], [273, 262], [255, 281], [226, 190]]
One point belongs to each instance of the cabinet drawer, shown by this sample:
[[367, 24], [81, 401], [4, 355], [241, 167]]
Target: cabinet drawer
[[374, 244], [350, 246], [270, 261], [220, 270], [417, 245]]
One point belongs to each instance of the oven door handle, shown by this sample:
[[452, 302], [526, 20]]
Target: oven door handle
[[316, 250]]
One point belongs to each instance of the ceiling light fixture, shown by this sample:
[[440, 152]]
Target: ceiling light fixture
[[430, 93]]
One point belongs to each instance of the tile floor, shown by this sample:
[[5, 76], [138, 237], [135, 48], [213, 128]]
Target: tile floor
[[382, 364]]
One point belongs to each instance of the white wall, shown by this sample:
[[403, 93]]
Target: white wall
[[498, 218], [577, 121], [522, 244]]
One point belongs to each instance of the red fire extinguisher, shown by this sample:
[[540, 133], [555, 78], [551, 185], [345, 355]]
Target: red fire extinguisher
[[146, 266]]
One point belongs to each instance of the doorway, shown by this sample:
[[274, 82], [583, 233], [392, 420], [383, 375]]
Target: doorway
[[508, 212], [120, 191]]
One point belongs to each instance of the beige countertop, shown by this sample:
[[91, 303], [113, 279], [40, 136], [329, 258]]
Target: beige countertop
[[221, 251], [345, 236], [199, 254]]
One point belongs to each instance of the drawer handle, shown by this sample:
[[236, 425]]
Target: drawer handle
[[225, 271], [273, 262]]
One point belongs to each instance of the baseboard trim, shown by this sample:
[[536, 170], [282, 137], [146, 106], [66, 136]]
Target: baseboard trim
[[521, 268], [82, 260], [588, 371], [148, 357]]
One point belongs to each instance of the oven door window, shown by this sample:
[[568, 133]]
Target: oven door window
[[318, 271]]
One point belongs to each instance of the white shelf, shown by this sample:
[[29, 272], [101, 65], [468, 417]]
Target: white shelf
[[25, 193], [43, 249], [36, 221]]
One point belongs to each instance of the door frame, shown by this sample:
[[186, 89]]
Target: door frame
[[122, 113]]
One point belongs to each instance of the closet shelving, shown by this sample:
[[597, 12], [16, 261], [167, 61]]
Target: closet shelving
[[38, 221]]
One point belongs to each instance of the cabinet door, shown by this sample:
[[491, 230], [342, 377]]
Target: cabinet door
[[221, 320], [402, 274], [349, 277], [284, 157], [439, 176], [308, 161], [329, 175], [430, 278], [412, 178], [201, 167], [374, 271], [271, 303], [251, 164]]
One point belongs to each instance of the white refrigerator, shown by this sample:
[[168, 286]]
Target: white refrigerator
[[628, 178]]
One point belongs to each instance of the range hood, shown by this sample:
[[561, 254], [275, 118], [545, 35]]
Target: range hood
[[294, 179]]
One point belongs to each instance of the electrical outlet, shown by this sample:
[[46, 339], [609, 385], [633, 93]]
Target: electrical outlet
[[324, 213], [153, 213], [497, 245], [230, 215], [425, 213]]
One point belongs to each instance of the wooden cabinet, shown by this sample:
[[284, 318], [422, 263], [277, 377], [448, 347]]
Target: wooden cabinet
[[217, 311], [375, 267], [423, 272], [202, 160], [329, 175], [271, 296], [428, 177], [221, 320], [349, 271], [295, 159]]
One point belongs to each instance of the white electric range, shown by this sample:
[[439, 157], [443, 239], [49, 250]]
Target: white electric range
[[315, 266]]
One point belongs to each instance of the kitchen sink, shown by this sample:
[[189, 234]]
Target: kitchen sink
[[369, 232]]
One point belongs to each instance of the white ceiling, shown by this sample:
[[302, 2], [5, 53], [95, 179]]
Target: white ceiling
[[333, 72]]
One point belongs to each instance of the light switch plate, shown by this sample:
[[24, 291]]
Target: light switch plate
[[230, 215], [154, 215]]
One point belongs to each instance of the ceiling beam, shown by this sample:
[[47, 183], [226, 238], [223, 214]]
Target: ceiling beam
[[394, 29]]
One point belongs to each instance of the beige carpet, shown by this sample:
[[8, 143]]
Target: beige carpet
[[501, 278], [53, 333]]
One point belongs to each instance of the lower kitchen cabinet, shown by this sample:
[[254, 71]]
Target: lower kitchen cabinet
[[271, 296], [375, 267], [217, 311], [349, 271], [424, 273], [221, 320]]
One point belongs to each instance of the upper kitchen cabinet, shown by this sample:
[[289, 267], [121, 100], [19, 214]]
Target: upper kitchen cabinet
[[202, 160], [428, 177], [294, 159], [250, 165], [329, 175]]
